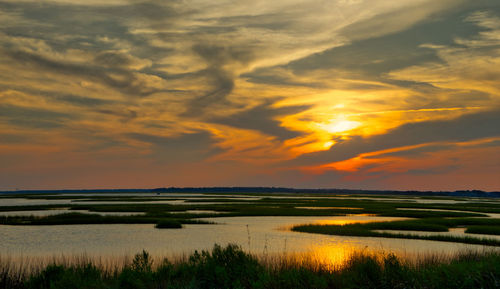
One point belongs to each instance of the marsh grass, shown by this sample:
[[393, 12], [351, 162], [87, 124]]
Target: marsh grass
[[487, 230], [79, 219], [472, 216], [368, 230], [275, 206], [231, 267]]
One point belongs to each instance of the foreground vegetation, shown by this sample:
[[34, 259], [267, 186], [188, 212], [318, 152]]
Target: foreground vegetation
[[230, 267]]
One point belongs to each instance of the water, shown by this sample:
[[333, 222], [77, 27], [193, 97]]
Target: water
[[31, 202], [257, 234], [261, 235]]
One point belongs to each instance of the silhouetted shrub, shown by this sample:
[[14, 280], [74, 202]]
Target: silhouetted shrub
[[227, 267], [168, 224]]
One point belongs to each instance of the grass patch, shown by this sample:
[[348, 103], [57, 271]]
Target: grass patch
[[80, 219], [411, 225], [31, 208], [429, 225], [488, 230], [425, 214]]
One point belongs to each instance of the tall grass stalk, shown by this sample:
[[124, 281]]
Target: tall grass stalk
[[231, 267]]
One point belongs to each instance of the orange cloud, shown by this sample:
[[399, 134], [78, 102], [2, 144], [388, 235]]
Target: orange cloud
[[461, 154]]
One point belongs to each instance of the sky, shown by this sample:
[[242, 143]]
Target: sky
[[358, 94]]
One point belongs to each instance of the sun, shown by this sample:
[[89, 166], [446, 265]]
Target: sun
[[339, 125]]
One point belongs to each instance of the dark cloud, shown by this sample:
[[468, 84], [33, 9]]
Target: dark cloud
[[217, 55], [186, 148], [146, 10], [113, 59], [466, 128], [57, 16], [56, 96], [222, 83], [372, 58], [80, 26], [126, 115], [120, 79], [78, 100], [34, 118], [219, 77], [272, 76], [379, 55], [98, 30], [262, 118]]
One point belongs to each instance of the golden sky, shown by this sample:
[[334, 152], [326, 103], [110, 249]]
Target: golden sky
[[361, 94]]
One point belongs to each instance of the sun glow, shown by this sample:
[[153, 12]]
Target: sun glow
[[337, 255], [339, 125], [328, 144]]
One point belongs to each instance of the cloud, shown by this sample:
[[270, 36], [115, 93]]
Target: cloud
[[398, 19], [375, 56], [468, 64], [72, 99], [187, 148], [466, 128], [259, 83], [31, 117], [118, 59], [219, 78], [134, 84], [262, 118]]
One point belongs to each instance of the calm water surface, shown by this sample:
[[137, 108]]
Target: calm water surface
[[33, 202], [262, 235]]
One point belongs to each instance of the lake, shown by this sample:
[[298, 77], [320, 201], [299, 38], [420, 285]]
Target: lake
[[260, 235]]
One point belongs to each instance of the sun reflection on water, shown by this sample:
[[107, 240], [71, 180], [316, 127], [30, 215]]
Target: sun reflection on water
[[330, 257], [344, 221]]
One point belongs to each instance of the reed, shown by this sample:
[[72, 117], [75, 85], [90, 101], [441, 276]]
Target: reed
[[231, 267]]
